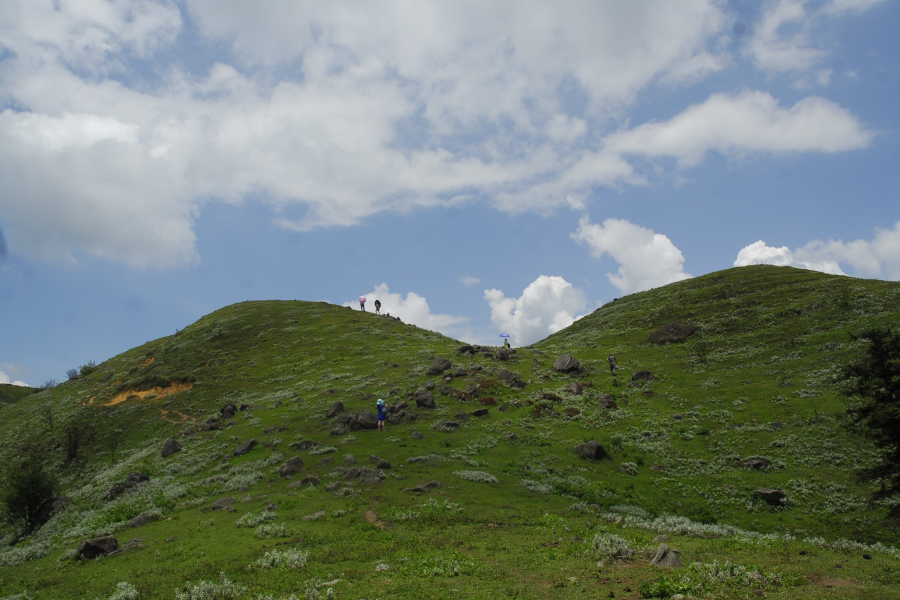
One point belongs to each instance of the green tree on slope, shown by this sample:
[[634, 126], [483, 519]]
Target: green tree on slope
[[875, 379]]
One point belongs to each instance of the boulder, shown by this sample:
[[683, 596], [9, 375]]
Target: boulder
[[245, 448], [228, 411], [383, 464], [349, 459], [757, 464], [566, 364], [509, 436], [311, 479], [364, 419], [572, 411], [429, 385], [510, 379], [100, 546], [336, 409], [575, 388], [642, 376], [502, 354], [344, 419], [661, 538], [351, 473], [135, 478], [461, 416], [304, 445], [677, 416], [606, 401], [666, 558], [439, 366], [418, 436], [367, 475], [445, 425], [114, 492], [291, 466], [426, 400], [771, 497], [142, 519], [464, 349], [481, 412], [49, 507], [170, 447], [339, 429], [591, 450], [223, 503]]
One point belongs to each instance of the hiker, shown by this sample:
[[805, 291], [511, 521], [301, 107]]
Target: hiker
[[378, 307], [380, 405], [362, 303], [613, 367], [506, 343]]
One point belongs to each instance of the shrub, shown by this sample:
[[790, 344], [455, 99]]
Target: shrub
[[209, 590], [87, 368], [476, 476], [292, 558], [664, 587], [124, 591], [28, 485], [322, 450], [609, 545], [536, 486], [270, 530], [254, 519]]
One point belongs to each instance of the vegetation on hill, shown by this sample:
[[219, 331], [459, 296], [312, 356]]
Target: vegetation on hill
[[741, 393]]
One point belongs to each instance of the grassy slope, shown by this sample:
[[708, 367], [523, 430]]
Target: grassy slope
[[769, 345], [10, 394]]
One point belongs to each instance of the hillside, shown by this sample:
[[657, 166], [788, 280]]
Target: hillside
[[746, 401], [10, 394]]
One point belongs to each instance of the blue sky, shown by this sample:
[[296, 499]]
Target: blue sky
[[479, 167]]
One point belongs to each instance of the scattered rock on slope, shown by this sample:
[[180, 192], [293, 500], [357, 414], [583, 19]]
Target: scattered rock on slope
[[666, 557], [439, 366], [100, 546], [170, 447], [591, 450], [291, 466], [336, 409], [245, 448], [642, 376], [771, 497], [566, 363]]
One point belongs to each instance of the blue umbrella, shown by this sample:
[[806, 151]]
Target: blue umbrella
[[504, 335]]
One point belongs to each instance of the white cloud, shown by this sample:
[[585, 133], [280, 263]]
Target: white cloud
[[547, 305], [98, 159], [782, 41], [748, 122], [758, 253], [4, 378], [646, 259], [413, 310], [468, 280], [878, 257]]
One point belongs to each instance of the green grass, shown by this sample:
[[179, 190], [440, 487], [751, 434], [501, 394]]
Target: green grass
[[757, 380], [10, 394]]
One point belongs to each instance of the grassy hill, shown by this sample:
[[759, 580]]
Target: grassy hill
[[10, 394], [748, 400]]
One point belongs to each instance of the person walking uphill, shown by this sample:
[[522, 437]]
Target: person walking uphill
[[380, 406], [362, 303], [613, 367], [378, 307]]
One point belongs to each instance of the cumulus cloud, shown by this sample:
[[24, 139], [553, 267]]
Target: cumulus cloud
[[547, 305], [468, 280], [751, 121], [878, 257], [646, 259], [309, 105], [412, 309], [4, 378]]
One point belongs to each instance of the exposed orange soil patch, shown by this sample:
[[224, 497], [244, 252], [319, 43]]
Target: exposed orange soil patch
[[833, 582], [174, 388], [164, 415], [372, 518], [147, 362]]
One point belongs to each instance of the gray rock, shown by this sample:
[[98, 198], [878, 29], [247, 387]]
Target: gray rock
[[591, 450], [351, 473], [429, 385], [677, 416], [100, 546], [510, 379], [383, 464], [419, 489], [575, 388], [344, 419], [433, 484], [661, 538], [291, 466], [170, 447], [771, 496], [458, 372], [311, 479], [304, 445], [418, 436], [757, 464], [228, 411], [245, 448], [382, 567], [606, 401], [114, 492], [566, 363], [367, 475], [439, 366], [642, 376], [509, 436], [142, 519], [502, 354], [135, 478], [350, 460], [223, 503], [364, 419], [461, 416], [464, 349], [426, 401], [336, 409], [667, 558], [339, 429], [481, 412]]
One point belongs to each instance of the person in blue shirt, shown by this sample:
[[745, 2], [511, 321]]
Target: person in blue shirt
[[380, 405]]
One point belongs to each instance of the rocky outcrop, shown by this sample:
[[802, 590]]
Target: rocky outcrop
[[591, 450], [170, 447], [439, 366], [245, 448], [642, 376], [566, 364], [336, 409], [666, 558], [772, 497], [291, 466], [100, 546]]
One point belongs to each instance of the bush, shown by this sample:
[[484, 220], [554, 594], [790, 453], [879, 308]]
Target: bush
[[28, 485], [476, 476], [664, 587], [88, 368], [292, 558], [609, 545], [208, 590]]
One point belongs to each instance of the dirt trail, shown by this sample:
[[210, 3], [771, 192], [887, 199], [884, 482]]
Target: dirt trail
[[160, 392]]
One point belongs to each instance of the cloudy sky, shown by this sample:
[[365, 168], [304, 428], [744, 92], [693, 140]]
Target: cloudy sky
[[480, 167]]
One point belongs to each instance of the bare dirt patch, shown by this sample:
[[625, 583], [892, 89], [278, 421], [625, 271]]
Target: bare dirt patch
[[372, 518], [148, 362], [157, 392], [832, 582]]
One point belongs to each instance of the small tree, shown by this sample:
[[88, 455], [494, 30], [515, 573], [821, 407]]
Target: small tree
[[88, 368], [28, 484], [48, 415], [73, 441], [875, 379], [72, 374], [49, 384], [113, 441]]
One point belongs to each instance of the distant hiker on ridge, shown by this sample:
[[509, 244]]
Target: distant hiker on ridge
[[380, 405], [362, 303], [506, 343], [613, 367], [378, 307]]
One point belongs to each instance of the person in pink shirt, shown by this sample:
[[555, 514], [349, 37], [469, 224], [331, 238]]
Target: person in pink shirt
[[362, 303]]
